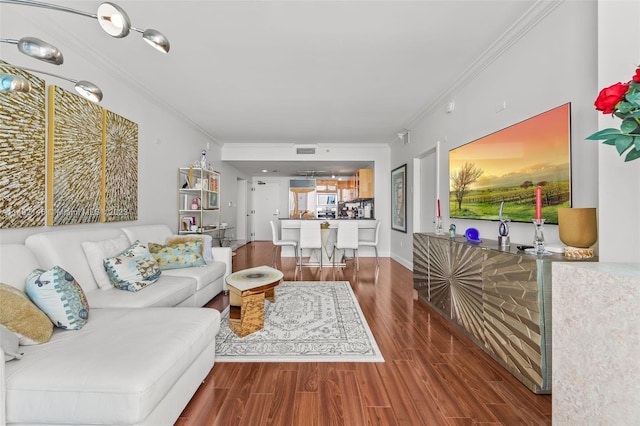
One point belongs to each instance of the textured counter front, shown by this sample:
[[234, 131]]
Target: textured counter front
[[501, 299]]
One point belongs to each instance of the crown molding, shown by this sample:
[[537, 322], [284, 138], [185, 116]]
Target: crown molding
[[532, 17]]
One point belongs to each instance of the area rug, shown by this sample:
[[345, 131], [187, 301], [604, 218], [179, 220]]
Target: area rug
[[310, 321]]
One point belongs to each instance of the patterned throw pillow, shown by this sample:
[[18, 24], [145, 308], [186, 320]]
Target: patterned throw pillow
[[97, 251], [59, 296], [175, 256], [133, 269], [207, 240], [22, 317]]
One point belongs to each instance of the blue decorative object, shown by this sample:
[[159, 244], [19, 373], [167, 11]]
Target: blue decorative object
[[473, 236]]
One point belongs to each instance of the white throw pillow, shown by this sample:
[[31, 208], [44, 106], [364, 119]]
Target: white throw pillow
[[98, 251]]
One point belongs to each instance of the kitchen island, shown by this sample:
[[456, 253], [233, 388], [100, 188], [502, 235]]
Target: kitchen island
[[291, 231]]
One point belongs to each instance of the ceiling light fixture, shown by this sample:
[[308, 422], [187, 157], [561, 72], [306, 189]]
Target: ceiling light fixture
[[112, 19], [38, 49], [12, 83]]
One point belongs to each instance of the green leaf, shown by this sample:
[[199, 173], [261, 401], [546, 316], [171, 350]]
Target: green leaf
[[623, 142], [609, 142], [634, 154], [604, 134], [625, 107], [628, 125], [635, 114], [633, 98], [636, 142]]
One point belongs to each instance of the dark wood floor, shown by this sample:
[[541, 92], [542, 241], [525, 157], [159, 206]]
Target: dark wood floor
[[432, 375]]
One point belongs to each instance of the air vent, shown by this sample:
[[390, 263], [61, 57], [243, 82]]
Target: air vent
[[305, 150]]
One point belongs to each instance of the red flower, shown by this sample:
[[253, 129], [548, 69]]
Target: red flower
[[636, 77], [610, 96]]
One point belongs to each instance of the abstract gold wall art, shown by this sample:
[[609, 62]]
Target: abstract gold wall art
[[121, 169], [74, 159], [22, 154]]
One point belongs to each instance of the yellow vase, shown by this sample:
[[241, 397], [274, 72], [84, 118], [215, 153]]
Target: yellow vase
[[578, 227]]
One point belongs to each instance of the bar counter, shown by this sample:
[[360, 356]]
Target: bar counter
[[291, 231]]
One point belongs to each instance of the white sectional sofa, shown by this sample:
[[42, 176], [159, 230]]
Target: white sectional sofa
[[139, 358]]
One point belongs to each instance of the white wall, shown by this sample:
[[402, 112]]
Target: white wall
[[551, 64], [165, 141], [619, 183]]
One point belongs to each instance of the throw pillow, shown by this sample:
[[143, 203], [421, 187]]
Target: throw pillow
[[175, 256], [98, 251], [207, 240], [59, 296], [133, 269], [9, 344], [22, 317]]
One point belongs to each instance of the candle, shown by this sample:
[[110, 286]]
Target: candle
[[538, 203], [439, 207]]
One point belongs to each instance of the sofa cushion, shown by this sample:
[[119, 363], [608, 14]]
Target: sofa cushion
[[84, 378], [98, 251], [177, 256], [64, 248], [21, 316], [207, 240], [133, 269], [16, 262], [203, 275], [59, 296], [167, 291]]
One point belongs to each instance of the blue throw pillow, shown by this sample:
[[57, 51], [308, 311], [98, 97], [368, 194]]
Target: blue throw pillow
[[133, 269], [176, 256], [59, 296]]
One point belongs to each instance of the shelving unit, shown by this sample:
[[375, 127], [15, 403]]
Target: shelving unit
[[199, 201]]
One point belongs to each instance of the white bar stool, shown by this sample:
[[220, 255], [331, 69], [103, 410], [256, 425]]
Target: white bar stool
[[279, 243], [374, 243], [347, 238], [310, 238]]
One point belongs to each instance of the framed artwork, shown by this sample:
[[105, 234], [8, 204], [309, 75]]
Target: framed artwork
[[74, 184], [508, 165], [22, 154], [120, 190], [399, 198]]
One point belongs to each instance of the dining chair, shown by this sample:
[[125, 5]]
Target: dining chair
[[346, 239], [310, 238], [279, 243], [373, 243]]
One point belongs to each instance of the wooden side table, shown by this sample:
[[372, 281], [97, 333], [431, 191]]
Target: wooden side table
[[247, 290]]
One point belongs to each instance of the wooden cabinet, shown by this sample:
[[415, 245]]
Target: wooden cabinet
[[199, 200], [501, 299], [365, 183]]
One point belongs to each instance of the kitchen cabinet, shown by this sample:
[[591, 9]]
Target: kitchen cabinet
[[365, 183]]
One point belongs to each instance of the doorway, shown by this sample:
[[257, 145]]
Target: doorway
[[242, 219], [266, 208]]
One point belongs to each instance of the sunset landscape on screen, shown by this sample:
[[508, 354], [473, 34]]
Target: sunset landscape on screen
[[513, 161]]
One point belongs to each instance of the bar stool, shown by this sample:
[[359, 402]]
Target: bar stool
[[310, 238], [374, 243], [347, 238], [278, 243]]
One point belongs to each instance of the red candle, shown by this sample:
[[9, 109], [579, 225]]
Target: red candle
[[538, 203], [438, 207]]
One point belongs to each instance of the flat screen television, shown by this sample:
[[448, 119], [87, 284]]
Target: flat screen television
[[508, 165]]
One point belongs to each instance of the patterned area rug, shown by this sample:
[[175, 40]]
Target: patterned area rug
[[310, 321]]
